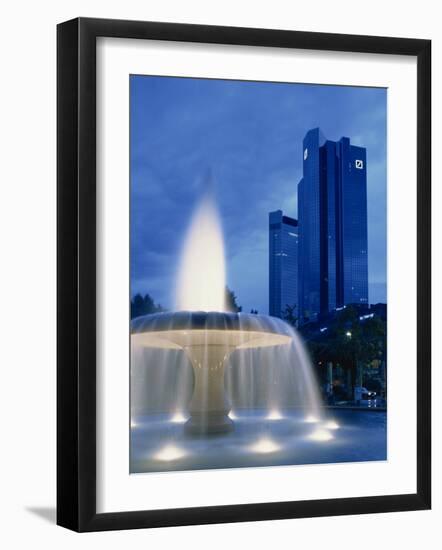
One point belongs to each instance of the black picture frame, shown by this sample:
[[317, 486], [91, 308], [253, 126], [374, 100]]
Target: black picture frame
[[76, 273]]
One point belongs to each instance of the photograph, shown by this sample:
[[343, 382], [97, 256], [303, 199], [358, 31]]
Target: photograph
[[220, 221], [258, 273]]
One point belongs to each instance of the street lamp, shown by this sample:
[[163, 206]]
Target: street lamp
[[348, 334]]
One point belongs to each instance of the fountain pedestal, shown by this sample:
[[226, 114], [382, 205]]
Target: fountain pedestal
[[209, 407]]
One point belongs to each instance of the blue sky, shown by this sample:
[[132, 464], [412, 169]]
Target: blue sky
[[248, 135]]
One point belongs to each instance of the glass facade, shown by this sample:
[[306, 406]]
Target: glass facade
[[332, 214], [309, 217], [283, 263]]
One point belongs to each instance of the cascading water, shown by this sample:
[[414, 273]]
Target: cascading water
[[210, 368]]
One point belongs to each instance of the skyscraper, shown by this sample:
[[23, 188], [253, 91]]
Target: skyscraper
[[283, 263], [332, 214]]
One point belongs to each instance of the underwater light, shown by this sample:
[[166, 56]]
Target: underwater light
[[169, 452], [274, 414], [178, 417], [311, 418], [321, 435], [265, 445]]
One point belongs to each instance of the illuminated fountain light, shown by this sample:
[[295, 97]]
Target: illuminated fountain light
[[274, 414], [311, 419], [265, 445], [232, 416], [321, 435], [179, 418], [169, 452], [331, 425], [133, 424]]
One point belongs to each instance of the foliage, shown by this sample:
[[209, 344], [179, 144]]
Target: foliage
[[231, 301], [143, 306], [350, 342]]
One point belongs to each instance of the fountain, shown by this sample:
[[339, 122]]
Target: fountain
[[208, 339], [211, 337]]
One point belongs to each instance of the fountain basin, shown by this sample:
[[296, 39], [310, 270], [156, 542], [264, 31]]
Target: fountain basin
[[208, 339]]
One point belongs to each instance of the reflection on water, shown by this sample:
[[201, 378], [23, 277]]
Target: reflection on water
[[169, 452], [160, 444], [321, 435], [265, 445], [331, 425]]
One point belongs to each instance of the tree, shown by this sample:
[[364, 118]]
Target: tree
[[149, 304], [346, 344], [143, 306], [231, 303], [351, 343]]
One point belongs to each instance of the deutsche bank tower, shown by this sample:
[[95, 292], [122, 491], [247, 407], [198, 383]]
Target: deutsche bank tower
[[332, 218]]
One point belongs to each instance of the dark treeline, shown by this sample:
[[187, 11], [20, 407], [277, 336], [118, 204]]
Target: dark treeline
[[140, 305], [354, 345], [144, 305], [231, 301]]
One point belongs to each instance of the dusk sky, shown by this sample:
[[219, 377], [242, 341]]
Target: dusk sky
[[248, 135]]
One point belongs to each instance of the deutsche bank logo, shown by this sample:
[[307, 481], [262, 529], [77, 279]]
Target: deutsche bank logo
[[359, 164]]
